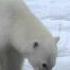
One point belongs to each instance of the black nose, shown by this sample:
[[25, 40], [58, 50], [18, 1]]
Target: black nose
[[44, 65]]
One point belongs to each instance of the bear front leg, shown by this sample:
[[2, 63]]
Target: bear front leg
[[14, 59], [3, 60]]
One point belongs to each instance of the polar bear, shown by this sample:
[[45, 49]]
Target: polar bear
[[22, 36]]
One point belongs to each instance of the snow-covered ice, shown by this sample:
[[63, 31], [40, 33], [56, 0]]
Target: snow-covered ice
[[63, 63]]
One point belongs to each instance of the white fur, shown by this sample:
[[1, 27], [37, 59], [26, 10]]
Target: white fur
[[22, 29]]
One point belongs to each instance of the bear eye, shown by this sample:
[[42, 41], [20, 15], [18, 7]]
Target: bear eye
[[35, 45]]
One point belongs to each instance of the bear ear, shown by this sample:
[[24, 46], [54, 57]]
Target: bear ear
[[57, 39]]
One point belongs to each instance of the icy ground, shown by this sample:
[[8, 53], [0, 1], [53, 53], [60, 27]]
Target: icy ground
[[55, 15]]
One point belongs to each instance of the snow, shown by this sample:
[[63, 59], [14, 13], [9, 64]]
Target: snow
[[63, 63], [53, 9], [55, 15], [27, 65]]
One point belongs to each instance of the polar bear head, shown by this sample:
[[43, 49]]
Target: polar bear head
[[36, 44], [44, 54]]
